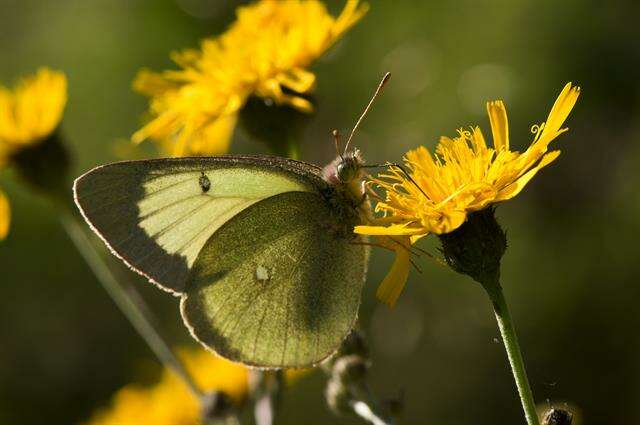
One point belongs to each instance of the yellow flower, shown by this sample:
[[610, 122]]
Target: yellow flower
[[28, 114], [170, 402], [265, 53], [31, 111], [5, 216], [464, 175]]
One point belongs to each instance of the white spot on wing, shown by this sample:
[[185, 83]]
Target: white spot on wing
[[262, 274]]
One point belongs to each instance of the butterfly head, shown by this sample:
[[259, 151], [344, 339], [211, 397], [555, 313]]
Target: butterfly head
[[349, 167], [345, 169], [346, 190]]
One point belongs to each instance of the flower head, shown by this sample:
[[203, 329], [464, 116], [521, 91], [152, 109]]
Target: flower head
[[265, 52], [29, 114], [31, 111], [464, 175], [170, 402]]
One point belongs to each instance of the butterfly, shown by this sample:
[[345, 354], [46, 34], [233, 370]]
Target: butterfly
[[259, 249]]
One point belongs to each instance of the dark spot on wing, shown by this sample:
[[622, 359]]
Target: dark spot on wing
[[205, 183]]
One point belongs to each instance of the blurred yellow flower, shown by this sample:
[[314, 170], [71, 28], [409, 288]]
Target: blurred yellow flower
[[28, 114], [463, 176], [5, 216], [265, 53], [170, 402], [31, 111]]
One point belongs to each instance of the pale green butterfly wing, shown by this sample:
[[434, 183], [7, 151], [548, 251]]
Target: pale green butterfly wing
[[156, 215], [278, 285]]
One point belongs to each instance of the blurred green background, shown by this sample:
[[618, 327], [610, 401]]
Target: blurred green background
[[571, 272]]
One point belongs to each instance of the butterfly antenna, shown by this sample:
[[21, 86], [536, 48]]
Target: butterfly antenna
[[355, 127], [336, 139], [402, 169]]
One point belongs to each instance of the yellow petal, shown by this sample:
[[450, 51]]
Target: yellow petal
[[298, 79], [215, 138], [559, 112], [499, 124], [514, 188], [447, 221], [300, 103], [393, 230], [479, 144], [353, 11], [151, 83], [393, 284], [5, 216]]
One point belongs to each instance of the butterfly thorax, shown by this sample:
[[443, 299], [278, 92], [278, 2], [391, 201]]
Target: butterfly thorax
[[346, 192]]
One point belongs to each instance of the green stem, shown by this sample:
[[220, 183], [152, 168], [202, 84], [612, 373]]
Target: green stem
[[128, 307], [512, 347], [293, 150]]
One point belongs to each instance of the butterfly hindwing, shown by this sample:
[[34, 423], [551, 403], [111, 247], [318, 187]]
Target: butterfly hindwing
[[277, 285], [157, 214]]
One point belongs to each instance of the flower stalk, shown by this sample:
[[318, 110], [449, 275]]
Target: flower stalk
[[267, 394], [125, 303], [510, 341], [218, 409], [476, 249], [347, 390], [452, 194]]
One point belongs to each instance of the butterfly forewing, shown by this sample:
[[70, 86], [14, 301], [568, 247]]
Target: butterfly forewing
[[157, 215], [277, 285]]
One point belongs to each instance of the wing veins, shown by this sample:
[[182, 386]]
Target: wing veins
[[180, 220], [244, 292], [180, 250], [172, 204], [286, 321], [144, 258]]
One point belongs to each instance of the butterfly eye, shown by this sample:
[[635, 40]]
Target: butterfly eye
[[346, 170]]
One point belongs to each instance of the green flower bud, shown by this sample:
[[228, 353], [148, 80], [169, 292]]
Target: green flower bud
[[45, 166], [280, 127], [557, 417], [476, 247]]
